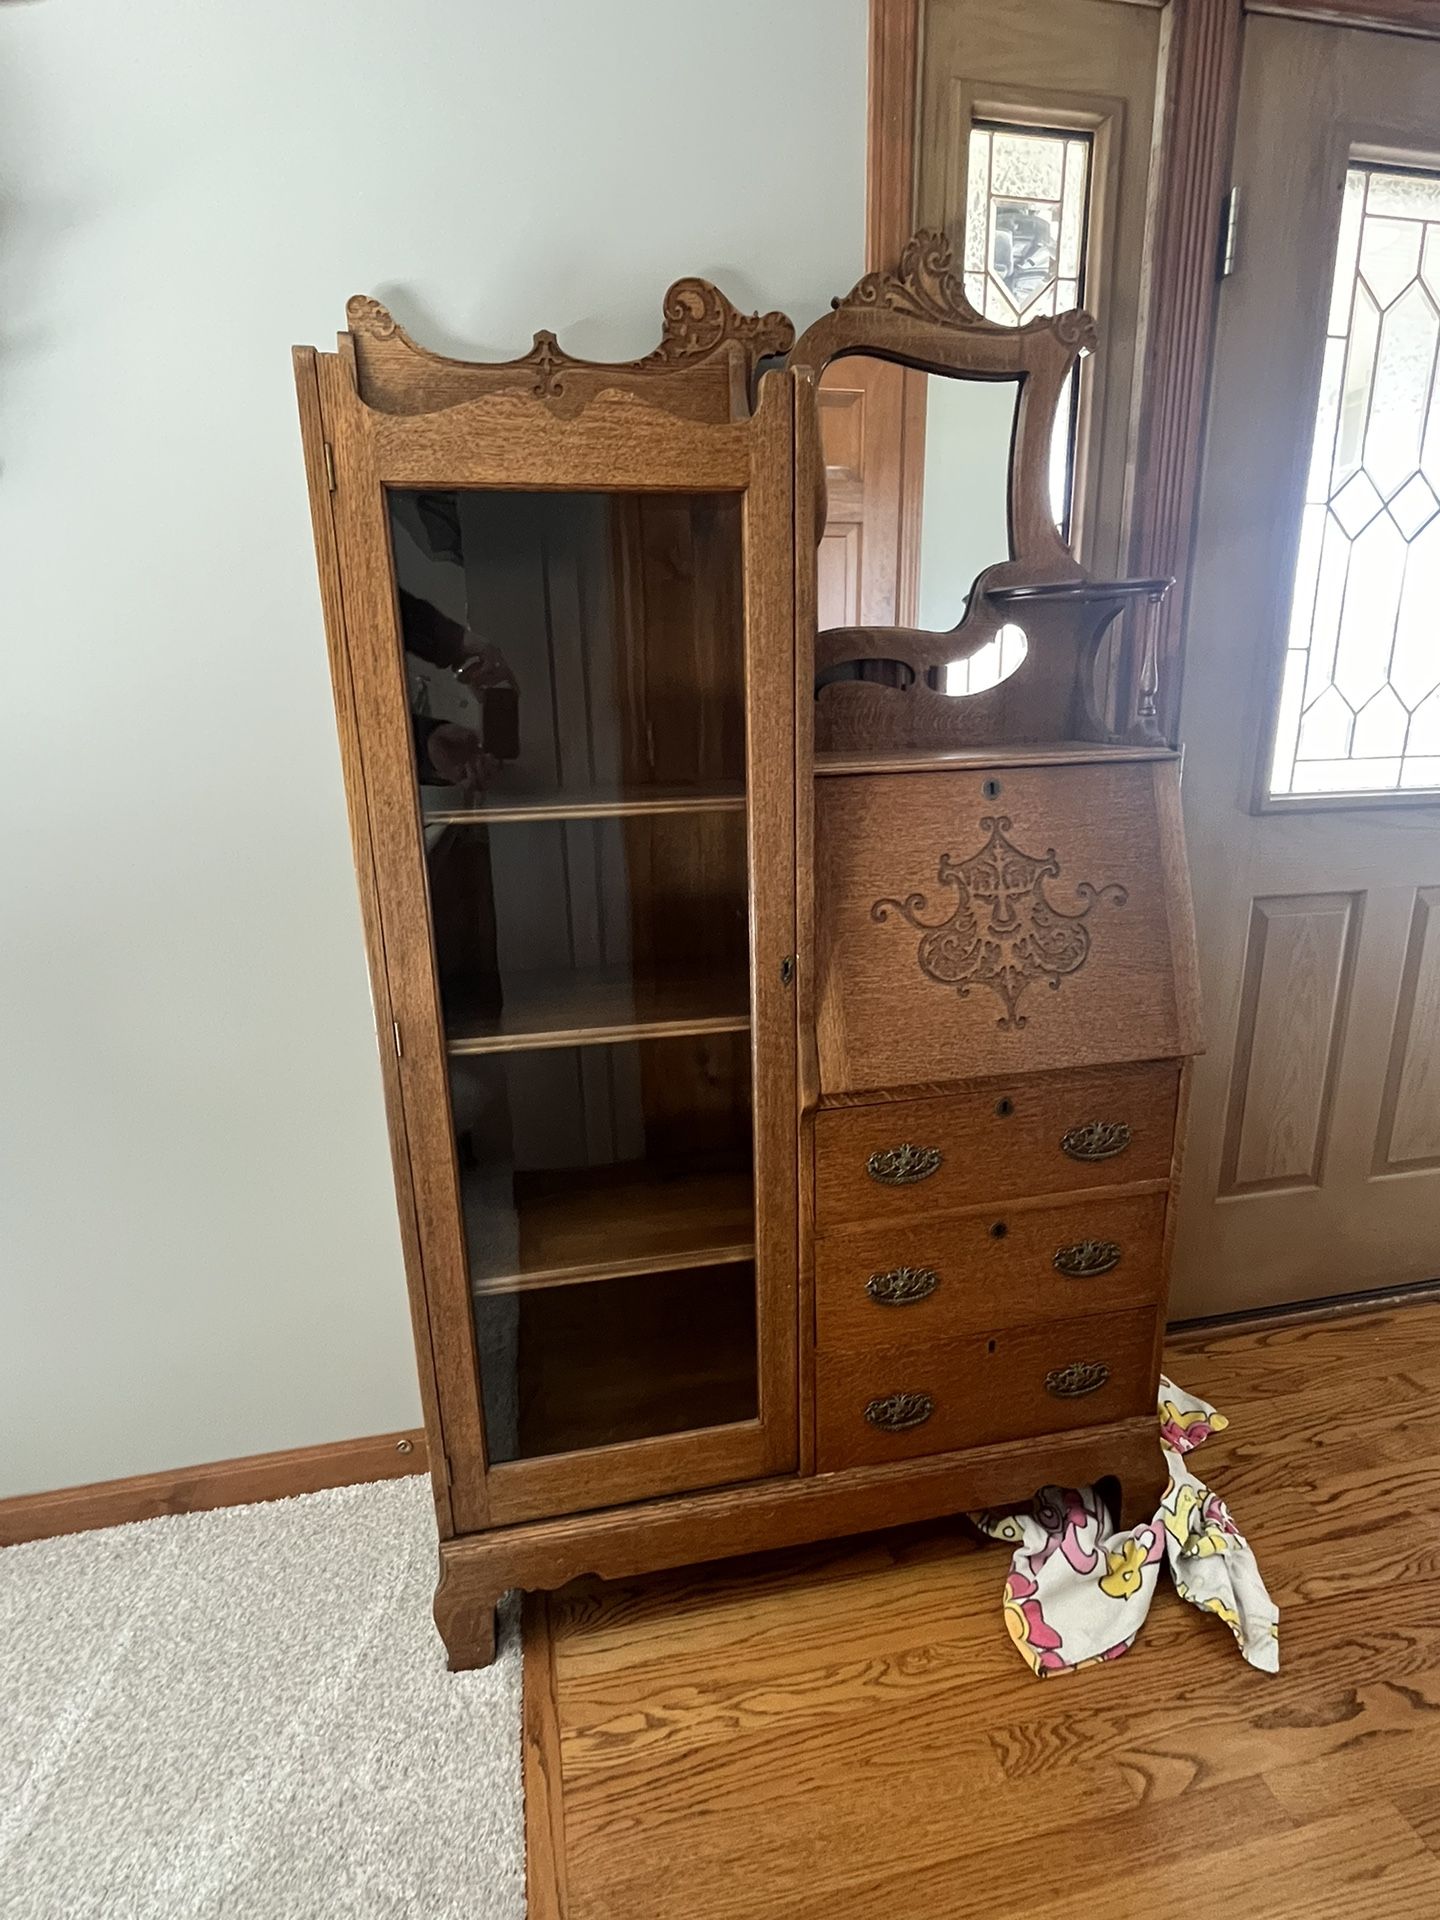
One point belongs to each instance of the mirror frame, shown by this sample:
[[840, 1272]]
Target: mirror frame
[[919, 317]]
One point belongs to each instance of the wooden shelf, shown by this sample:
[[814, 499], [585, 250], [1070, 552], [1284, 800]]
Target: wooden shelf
[[1041, 753], [600, 805], [575, 1008], [602, 1223]]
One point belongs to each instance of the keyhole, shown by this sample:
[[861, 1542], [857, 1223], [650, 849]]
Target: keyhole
[[991, 789], [1004, 1108], [999, 1230], [990, 1346]]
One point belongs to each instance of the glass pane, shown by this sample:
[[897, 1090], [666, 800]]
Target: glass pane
[[1026, 216], [1362, 659], [575, 671], [623, 1359]]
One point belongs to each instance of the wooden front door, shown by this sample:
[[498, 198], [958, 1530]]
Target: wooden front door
[[1311, 710]]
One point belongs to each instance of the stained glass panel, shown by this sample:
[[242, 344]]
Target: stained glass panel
[[1360, 698]]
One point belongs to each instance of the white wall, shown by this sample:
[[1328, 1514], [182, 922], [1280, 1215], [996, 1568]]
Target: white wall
[[199, 1247]]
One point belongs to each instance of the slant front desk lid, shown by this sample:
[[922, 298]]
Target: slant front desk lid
[[1009, 919]]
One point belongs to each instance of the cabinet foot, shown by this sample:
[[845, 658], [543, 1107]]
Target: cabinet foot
[[465, 1617], [1142, 1484]]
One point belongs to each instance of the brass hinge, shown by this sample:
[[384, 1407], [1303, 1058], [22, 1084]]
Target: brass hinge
[[1229, 229], [787, 971], [399, 1045], [329, 466]]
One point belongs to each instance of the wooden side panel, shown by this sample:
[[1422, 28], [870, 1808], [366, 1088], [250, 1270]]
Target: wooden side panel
[[312, 430], [1292, 1019], [1409, 1134], [977, 924]]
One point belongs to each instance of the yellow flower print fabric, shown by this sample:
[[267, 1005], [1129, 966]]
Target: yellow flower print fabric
[[1078, 1591]]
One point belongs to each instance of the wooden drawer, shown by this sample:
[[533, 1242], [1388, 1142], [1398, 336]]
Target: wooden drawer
[[981, 1389], [1001, 1141], [1009, 919], [910, 1284]]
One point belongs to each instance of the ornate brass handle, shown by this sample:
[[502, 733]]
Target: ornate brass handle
[[897, 1411], [1096, 1140], [902, 1285], [1081, 1376], [1086, 1258], [903, 1166]]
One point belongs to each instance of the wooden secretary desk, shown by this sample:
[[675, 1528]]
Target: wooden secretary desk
[[783, 1033]]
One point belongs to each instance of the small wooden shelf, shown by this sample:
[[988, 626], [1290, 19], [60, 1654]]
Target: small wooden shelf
[[604, 1223], [600, 805], [574, 1008], [1041, 753]]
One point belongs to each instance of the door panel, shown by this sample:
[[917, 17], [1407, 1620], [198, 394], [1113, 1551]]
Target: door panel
[[1314, 1157], [1088, 66]]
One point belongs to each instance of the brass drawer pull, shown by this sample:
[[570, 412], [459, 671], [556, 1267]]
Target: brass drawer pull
[[1081, 1376], [897, 1411], [903, 1166], [902, 1285], [1086, 1258], [1098, 1140]]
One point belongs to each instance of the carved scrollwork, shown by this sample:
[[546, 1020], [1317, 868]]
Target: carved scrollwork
[[894, 1412], [1080, 1377], [1086, 1258], [368, 316], [924, 284], [698, 318], [902, 1286], [1096, 1140], [902, 1166], [1003, 931]]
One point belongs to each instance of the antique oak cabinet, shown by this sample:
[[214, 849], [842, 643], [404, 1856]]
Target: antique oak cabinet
[[784, 1031]]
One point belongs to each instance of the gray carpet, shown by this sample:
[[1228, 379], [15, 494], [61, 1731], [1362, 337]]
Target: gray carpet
[[247, 1713]]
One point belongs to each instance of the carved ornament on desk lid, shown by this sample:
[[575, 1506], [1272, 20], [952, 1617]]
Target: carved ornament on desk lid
[[1004, 931]]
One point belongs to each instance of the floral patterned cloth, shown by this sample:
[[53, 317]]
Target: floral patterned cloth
[[1078, 1591]]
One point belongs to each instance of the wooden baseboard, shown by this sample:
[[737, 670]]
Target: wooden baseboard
[[1190, 1333], [219, 1483]]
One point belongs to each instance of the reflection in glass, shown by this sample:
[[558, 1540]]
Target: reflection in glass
[[1361, 687], [574, 665], [1026, 217]]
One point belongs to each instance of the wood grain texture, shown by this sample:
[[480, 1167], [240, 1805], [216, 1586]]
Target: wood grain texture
[[995, 1268], [347, 724], [216, 1483], [1000, 1142], [842, 1731], [890, 129], [1409, 1134], [1418, 17], [978, 1389], [1292, 1018], [1200, 83], [1093, 834]]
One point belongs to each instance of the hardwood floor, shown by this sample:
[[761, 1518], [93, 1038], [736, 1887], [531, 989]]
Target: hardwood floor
[[846, 1730]]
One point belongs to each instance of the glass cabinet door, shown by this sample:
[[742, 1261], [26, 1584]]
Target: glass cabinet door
[[575, 675]]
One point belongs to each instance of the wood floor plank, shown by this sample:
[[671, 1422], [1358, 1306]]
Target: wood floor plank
[[846, 1729]]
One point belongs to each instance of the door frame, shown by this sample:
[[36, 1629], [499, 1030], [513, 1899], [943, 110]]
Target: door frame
[[1198, 81]]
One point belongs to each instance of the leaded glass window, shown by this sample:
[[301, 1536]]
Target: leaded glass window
[[1360, 699]]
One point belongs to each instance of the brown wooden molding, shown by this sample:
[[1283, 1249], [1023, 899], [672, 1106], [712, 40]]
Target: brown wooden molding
[[1189, 1334], [890, 139], [1201, 86], [1419, 17], [218, 1483], [546, 1893]]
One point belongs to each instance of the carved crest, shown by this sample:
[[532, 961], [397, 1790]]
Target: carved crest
[[926, 286], [1003, 931], [698, 323]]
